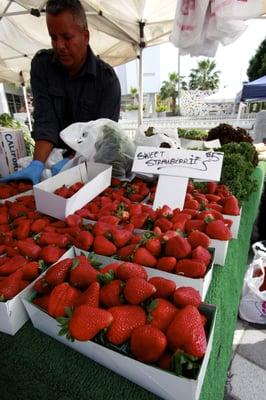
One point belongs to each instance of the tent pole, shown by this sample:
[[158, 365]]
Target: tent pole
[[140, 111], [24, 90], [178, 83]]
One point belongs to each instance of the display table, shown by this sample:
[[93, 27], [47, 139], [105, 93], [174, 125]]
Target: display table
[[35, 367]]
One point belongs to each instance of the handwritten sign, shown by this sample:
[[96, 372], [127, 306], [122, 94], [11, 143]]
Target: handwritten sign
[[175, 167], [179, 162]]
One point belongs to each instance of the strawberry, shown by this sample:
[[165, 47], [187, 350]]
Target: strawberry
[[138, 290], [217, 229], [231, 206], [111, 294], [184, 296], [166, 264], [109, 219], [213, 198], [211, 187], [31, 270], [50, 254], [154, 246], [147, 343], [125, 319], [42, 301], [82, 273], [164, 211], [201, 254], [22, 230], [91, 296], [11, 286], [29, 249], [104, 246], [101, 228], [195, 224], [178, 247], [165, 287], [192, 204], [57, 273], [39, 224], [208, 215], [53, 238], [164, 224], [110, 267], [73, 220], [190, 268], [186, 332], [121, 237], [165, 361], [197, 238], [128, 270], [62, 191], [161, 313], [61, 297], [127, 252], [143, 257], [12, 265], [87, 321], [84, 240], [41, 286], [139, 220]]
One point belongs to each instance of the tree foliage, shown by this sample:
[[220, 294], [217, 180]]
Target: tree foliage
[[204, 77], [257, 64], [169, 89]]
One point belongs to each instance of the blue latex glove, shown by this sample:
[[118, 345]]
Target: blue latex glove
[[32, 172], [58, 166]]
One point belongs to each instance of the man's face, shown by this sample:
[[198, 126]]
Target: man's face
[[69, 41]]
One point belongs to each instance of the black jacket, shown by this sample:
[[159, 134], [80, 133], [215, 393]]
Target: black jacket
[[60, 100]]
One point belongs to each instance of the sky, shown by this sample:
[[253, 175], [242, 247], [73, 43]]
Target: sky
[[232, 60]]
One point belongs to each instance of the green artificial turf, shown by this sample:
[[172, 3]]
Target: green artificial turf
[[35, 367]]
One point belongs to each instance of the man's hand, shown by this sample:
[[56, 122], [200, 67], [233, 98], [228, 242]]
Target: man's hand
[[58, 166], [32, 173]]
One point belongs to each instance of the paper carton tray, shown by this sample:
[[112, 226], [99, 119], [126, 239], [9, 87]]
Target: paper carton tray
[[166, 385], [96, 177]]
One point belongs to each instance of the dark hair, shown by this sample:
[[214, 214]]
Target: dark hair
[[55, 7]]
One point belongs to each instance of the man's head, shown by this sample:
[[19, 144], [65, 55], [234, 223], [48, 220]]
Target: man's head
[[67, 27]]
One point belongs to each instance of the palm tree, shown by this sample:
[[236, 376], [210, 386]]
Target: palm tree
[[204, 77], [169, 89], [134, 93]]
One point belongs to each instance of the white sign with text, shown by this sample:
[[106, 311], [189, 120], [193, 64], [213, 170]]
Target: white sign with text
[[174, 167]]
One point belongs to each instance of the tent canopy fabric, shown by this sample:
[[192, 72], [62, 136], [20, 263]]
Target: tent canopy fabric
[[115, 29], [254, 91]]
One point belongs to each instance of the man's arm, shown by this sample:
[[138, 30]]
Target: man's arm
[[42, 150]]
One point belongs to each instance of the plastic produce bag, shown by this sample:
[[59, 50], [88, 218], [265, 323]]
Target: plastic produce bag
[[252, 306], [154, 137], [102, 141]]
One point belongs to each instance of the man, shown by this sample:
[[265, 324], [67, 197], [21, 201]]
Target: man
[[69, 84]]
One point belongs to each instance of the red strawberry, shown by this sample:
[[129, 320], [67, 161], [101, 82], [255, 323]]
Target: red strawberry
[[161, 313], [164, 224], [101, 228], [184, 296], [84, 240], [165, 287], [147, 343], [218, 230], [121, 237], [61, 297], [192, 204], [39, 224], [190, 268], [165, 362], [164, 211], [195, 224], [73, 220], [231, 206], [211, 187], [139, 220], [128, 270], [31, 270], [213, 198], [57, 273], [154, 246], [201, 254], [29, 249], [50, 254], [11, 285], [82, 273], [143, 257], [87, 321], [104, 246], [42, 301], [110, 267], [166, 264], [197, 238], [138, 290], [126, 252], [41, 286], [111, 294], [126, 318], [178, 247], [91, 296], [186, 332], [12, 265]]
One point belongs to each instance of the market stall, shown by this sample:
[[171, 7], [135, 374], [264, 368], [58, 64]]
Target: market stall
[[34, 366]]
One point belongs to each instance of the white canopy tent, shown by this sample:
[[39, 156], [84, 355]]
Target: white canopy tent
[[119, 31]]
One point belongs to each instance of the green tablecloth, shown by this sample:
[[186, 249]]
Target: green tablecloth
[[36, 367]]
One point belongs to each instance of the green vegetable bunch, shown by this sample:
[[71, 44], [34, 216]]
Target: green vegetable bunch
[[194, 134]]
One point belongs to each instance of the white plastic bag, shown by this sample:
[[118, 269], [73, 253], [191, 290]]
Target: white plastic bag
[[159, 136], [237, 9], [252, 306], [102, 141]]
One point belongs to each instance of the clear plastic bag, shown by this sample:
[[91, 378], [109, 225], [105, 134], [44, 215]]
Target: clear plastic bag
[[154, 137]]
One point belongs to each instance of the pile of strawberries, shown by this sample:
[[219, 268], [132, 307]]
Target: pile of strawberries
[[118, 305], [13, 188], [68, 191]]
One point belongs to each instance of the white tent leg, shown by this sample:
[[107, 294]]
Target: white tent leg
[[140, 112], [27, 105]]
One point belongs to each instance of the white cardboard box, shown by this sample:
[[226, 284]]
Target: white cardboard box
[[96, 176], [200, 284], [12, 147], [164, 384], [220, 247], [236, 223]]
